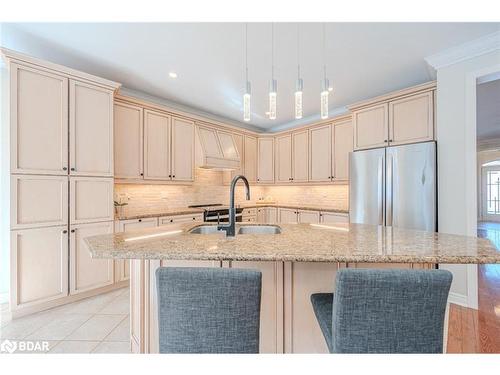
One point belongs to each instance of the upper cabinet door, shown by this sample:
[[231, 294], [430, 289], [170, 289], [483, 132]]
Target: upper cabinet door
[[39, 122], [411, 119], [342, 145], [182, 150], [371, 127], [128, 141], [156, 146], [320, 153], [300, 156], [91, 130], [284, 158], [250, 158], [265, 160]]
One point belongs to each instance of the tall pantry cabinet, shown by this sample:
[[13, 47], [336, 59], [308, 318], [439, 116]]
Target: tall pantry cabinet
[[61, 182]]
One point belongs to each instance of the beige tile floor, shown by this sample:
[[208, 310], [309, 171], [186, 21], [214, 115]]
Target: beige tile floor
[[97, 324]]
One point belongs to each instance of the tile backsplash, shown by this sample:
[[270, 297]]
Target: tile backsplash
[[208, 188]]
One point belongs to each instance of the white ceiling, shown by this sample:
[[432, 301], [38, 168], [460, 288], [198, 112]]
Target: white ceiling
[[363, 59], [488, 110]]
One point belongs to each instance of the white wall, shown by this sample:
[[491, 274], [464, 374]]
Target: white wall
[[456, 137]]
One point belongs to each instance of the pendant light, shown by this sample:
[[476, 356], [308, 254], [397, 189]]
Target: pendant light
[[246, 96], [300, 84], [273, 85], [324, 84]]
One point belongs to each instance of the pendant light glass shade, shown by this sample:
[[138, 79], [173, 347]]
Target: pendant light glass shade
[[272, 99], [298, 99], [324, 99], [246, 103]]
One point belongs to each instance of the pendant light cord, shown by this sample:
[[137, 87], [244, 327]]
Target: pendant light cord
[[298, 51], [246, 52], [272, 50], [324, 51]]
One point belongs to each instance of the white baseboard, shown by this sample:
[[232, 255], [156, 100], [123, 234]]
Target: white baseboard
[[458, 299]]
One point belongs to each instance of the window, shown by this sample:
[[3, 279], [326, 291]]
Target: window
[[493, 192]]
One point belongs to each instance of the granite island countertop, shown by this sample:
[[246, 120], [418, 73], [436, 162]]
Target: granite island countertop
[[298, 242]]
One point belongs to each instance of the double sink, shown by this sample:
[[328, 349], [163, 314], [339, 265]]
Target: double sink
[[244, 229]]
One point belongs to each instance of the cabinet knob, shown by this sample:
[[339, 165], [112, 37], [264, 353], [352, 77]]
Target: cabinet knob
[[65, 168], [65, 231], [194, 218], [73, 169], [169, 176], [385, 141], [258, 179], [142, 174], [72, 231], [390, 140], [171, 220], [173, 176], [140, 220]]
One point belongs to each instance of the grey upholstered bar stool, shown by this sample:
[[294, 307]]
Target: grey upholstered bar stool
[[208, 310], [384, 311]]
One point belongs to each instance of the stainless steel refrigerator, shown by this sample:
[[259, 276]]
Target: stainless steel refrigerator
[[394, 186]]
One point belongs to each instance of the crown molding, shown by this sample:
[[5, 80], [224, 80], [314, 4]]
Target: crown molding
[[474, 48], [488, 144]]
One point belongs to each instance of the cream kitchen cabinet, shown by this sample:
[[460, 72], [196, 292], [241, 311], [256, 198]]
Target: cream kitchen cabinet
[[284, 159], [399, 120], [157, 148], [300, 156], [91, 199], [139, 270], [39, 121], [38, 201], [182, 149], [308, 217], [411, 119], [342, 146], [265, 160], [85, 272], [332, 217], [371, 127], [128, 141], [250, 165], [39, 266], [90, 130], [122, 267], [287, 216], [320, 154], [271, 310], [302, 333], [267, 215]]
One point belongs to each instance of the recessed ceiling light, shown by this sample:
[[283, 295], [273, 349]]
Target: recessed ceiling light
[[330, 88], [172, 75]]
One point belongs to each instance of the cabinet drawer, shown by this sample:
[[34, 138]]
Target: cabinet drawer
[[38, 201], [250, 212], [91, 199], [167, 220], [249, 219]]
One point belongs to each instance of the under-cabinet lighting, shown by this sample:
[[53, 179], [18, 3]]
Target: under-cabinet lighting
[[146, 236]]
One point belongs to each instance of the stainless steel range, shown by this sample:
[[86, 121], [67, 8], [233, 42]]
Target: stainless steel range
[[217, 212]]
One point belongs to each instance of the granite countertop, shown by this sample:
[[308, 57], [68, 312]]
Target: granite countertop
[[298, 242], [167, 212], [305, 207], [187, 210]]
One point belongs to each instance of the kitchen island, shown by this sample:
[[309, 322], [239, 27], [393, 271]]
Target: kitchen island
[[301, 260]]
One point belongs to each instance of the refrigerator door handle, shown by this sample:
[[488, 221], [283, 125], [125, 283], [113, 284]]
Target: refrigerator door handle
[[381, 191], [390, 190]]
